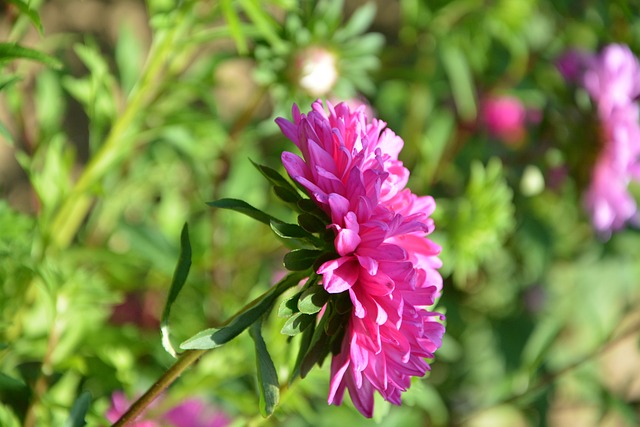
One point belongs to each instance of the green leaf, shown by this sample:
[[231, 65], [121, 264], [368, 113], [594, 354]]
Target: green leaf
[[9, 51], [127, 55], [459, 75], [8, 81], [263, 22], [267, 376], [318, 349], [305, 342], [235, 28], [216, 337], [179, 278], [289, 306], [287, 195], [313, 299], [301, 259], [79, 411], [311, 223], [4, 132], [289, 231], [273, 175], [297, 323], [32, 14], [358, 23], [245, 208]]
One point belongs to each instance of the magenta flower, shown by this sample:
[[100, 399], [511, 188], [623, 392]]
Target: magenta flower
[[612, 79], [189, 413], [350, 168], [504, 117]]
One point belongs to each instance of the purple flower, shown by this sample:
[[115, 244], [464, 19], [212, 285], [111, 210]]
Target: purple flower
[[350, 168], [504, 117], [189, 413], [612, 79]]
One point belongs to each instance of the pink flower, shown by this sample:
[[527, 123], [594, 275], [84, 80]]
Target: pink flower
[[350, 168], [189, 413], [504, 117], [612, 79]]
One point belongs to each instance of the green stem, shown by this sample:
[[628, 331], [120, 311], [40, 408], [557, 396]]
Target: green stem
[[117, 144], [187, 359]]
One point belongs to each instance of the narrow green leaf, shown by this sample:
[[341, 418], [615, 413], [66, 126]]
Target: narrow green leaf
[[245, 208], [318, 349], [358, 23], [79, 411], [267, 376], [179, 278], [4, 132], [312, 300], [235, 28], [263, 22], [301, 259], [216, 337], [272, 175], [289, 231], [32, 14], [297, 323], [459, 75], [9, 51], [8, 81], [305, 342]]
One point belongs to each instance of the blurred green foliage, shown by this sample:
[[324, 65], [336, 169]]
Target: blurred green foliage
[[122, 140]]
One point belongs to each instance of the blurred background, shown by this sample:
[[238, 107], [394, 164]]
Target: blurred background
[[120, 119]]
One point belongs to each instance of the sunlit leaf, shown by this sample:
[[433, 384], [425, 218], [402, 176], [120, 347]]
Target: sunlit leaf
[[245, 208], [267, 376], [301, 259], [313, 299], [297, 323], [216, 337]]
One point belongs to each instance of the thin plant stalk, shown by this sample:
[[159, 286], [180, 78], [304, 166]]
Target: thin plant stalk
[[118, 142], [187, 359]]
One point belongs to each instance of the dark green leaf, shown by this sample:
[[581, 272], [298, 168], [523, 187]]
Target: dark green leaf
[[9, 51], [289, 231], [13, 385], [297, 323], [305, 342], [272, 175], [311, 223], [32, 14], [287, 195], [79, 411], [179, 278], [245, 208], [267, 377], [309, 206], [313, 299], [216, 337], [318, 349], [300, 259]]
